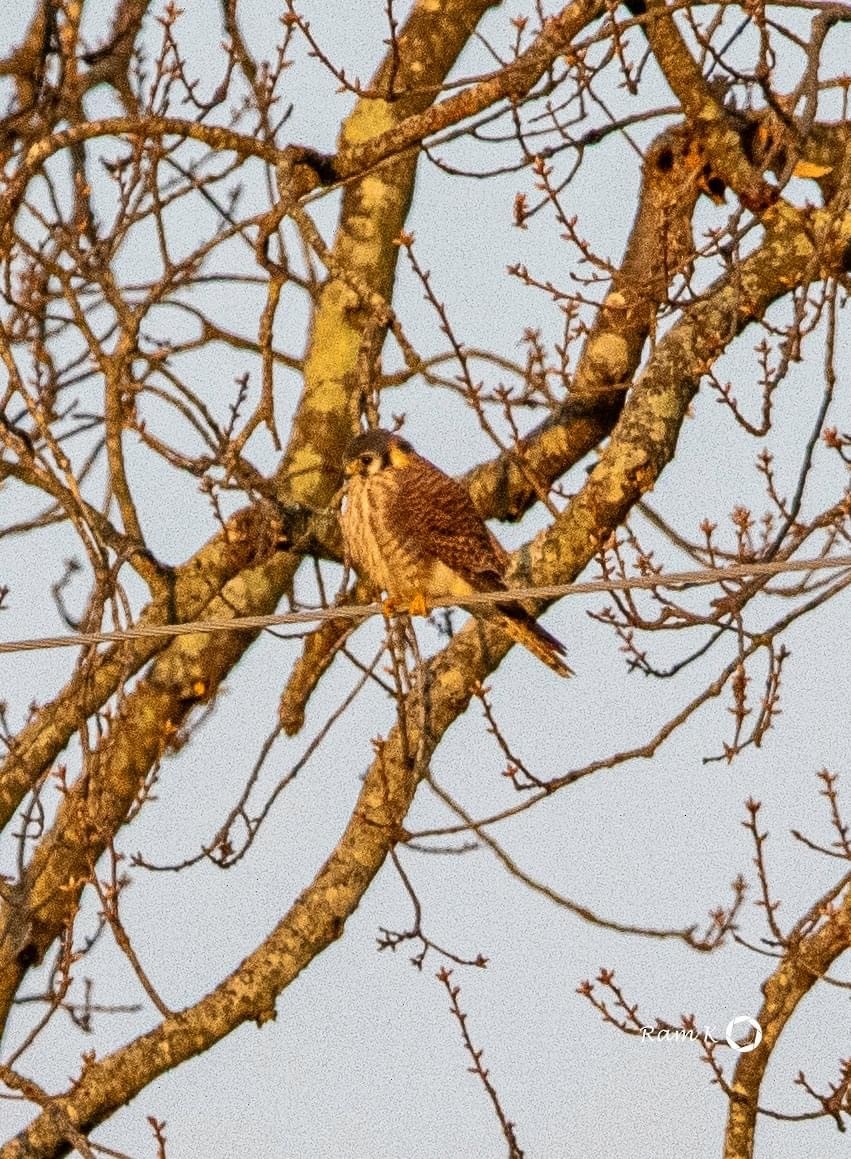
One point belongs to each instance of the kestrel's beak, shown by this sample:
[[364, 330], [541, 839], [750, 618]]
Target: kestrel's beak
[[350, 468]]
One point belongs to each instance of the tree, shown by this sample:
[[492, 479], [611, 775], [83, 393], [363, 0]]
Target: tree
[[203, 299]]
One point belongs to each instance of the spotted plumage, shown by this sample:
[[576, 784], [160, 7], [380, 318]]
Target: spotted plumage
[[412, 531]]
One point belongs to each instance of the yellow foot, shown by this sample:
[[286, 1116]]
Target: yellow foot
[[418, 605]]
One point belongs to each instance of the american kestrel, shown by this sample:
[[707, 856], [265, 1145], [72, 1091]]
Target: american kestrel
[[412, 531]]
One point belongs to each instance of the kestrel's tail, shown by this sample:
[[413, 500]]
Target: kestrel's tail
[[523, 628]]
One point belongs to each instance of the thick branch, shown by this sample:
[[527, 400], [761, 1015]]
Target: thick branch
[[802, 965], [707, 114], [513, 82], [659, 247]]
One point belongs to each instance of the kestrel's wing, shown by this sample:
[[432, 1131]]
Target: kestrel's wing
[[435, 514]]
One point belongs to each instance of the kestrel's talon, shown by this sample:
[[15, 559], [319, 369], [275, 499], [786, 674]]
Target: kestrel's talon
[[418, 605]]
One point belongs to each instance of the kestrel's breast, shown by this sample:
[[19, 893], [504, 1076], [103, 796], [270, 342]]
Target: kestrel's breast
[[387, 561]]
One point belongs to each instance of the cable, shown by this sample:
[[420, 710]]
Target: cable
[[363, 611]]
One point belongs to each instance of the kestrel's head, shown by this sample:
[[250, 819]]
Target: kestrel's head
[[376, 451]]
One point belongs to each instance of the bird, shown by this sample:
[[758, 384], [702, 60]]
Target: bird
[[412, 531]]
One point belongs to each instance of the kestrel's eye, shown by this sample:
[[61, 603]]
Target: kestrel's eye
[[366, 458]]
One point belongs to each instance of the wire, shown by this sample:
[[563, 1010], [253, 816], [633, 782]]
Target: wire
[[364, 611]]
